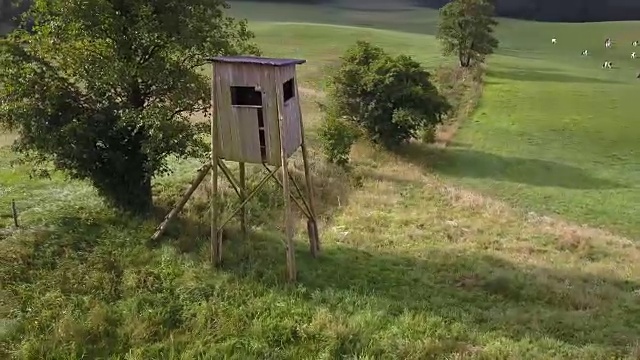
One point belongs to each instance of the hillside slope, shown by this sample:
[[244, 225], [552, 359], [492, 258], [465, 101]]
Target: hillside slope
[[555, 132], [414, 265]]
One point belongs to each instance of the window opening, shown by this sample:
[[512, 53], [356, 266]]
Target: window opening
[[288, 90], [245, 96]]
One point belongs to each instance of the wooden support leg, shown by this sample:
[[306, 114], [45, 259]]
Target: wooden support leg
[[291, 254], [243, 195], [288, 220], [216, 241], [216, 250], [312, 224], [202, 173]]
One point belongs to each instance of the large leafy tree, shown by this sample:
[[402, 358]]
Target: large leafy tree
[[466, 29], [104, 89]]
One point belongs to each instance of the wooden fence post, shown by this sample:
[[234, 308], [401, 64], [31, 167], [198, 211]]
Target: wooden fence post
[[14, 212]]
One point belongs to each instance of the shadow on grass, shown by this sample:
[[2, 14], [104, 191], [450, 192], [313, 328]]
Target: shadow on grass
[[468, 163], [545, 76], [483, 293], [507, 67], [332, 187], [478, 295], [67, 241]]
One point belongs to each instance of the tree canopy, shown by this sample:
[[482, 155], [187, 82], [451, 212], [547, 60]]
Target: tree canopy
[[466, 29], [104, 89], [391, 98]]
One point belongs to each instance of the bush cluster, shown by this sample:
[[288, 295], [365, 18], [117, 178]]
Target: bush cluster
[[388, 99]]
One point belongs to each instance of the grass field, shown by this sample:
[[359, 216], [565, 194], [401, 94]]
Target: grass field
[[444, 254], [555, 132]]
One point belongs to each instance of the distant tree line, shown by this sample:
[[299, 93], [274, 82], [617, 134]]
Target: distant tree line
[[564, 11], [541, 10]]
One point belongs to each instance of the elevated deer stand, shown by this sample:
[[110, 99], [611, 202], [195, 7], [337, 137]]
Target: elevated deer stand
[[256, 119]]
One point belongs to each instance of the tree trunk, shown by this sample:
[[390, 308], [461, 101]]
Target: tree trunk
[[124, 179], [465, 59], [129, 192], [139, 198]]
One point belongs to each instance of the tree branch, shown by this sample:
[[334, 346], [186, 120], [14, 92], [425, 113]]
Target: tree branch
[[150, 53]]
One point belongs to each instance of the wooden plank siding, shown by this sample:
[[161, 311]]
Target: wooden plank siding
[[238, 125], [291, 112]]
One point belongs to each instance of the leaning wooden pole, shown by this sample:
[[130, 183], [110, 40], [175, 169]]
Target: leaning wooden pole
[[216, 243], [288, 224], [312, 223], [202, 173]]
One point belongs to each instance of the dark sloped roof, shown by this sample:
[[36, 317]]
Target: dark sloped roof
[[257, 60]]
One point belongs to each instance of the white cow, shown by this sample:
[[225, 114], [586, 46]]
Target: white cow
[[635, 43], [585, 52], [607, 43], [607, 65], [633, 55], [554, 40]]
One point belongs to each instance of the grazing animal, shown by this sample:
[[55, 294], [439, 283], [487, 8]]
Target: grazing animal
[[607, 65], [633, 55], [554, 40], [585, 53], [607, 43], [635, 43]]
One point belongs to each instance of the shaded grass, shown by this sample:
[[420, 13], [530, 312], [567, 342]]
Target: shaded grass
[[525, 171]]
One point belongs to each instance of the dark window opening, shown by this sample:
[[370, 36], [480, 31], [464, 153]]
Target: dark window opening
[[262, 136], [245, 96], [288, 90], [260, 119]]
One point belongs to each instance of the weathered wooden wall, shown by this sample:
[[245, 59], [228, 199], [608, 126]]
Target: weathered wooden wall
[[238, 124], [293, 137]]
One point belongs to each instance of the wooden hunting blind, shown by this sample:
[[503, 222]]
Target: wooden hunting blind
[[246, 94], [256, 119]]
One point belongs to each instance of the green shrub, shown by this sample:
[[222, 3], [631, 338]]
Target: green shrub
[[391, 98], [337, 136], [428, 135]]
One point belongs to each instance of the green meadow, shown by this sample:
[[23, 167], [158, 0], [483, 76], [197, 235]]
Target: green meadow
[[517, 241]]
